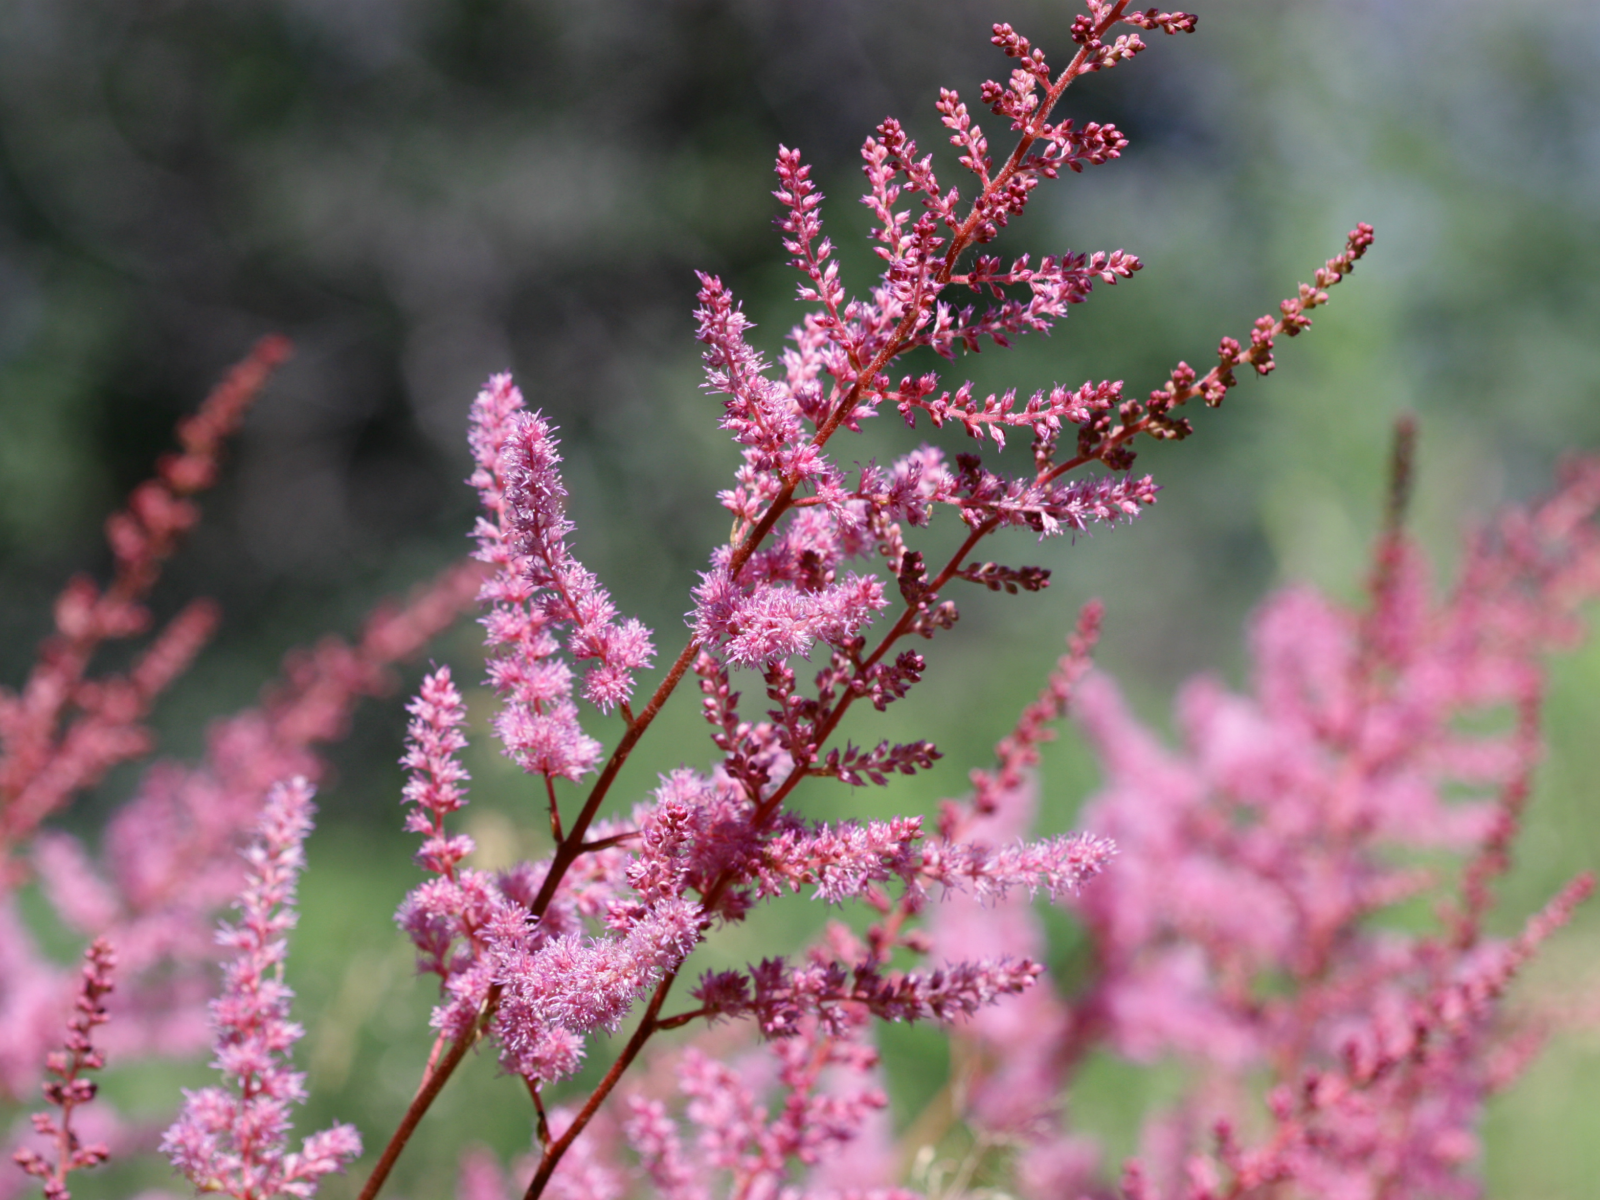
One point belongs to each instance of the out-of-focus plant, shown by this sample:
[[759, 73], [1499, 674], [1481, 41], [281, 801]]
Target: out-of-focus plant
[[1236, 888]]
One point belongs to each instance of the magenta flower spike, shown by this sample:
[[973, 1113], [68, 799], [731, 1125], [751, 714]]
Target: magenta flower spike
[[235, 1139], [435, 790], [1231, 901], [68, 1088], [536, 590]]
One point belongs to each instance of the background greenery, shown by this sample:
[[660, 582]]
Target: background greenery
[[421, 192]]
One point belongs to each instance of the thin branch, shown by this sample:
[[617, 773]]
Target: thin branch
[[605, 843], [555, 809], [432, 1085], [678, 1020]]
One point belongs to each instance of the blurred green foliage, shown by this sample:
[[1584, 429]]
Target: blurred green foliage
[[421, 192]]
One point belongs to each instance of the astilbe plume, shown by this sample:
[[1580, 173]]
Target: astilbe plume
[[168, 857], [1229, 891], [1236, 934], [234, 1140], [538, 588], [546, 953], [69, 1089]]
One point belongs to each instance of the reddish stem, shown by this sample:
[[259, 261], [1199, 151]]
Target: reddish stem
[[641, 1035], [572, 845]]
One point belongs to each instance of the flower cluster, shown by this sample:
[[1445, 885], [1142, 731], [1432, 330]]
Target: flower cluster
[[1237, 932], [1229, 893], [234, 1140], [68, 1089], [537, 589]]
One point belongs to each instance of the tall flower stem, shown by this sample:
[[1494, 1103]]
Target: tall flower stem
[[571, 847]]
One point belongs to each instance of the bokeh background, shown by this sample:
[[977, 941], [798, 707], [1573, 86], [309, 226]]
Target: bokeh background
[[421, 192]]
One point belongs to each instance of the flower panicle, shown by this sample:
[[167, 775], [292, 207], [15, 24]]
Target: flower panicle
[[234, 1139], [537, 589], [68, 1089], [446, 917], [63, 731], [435, 787]]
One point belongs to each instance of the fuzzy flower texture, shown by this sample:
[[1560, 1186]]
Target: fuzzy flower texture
[[1230, 901], [234, 1140]]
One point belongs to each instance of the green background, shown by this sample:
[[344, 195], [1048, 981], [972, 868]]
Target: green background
[[421, 192]]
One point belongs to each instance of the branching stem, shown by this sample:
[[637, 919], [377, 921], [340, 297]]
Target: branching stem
[[572, 845]]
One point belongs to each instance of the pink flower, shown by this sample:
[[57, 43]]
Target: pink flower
[[538, 589], [235, 1139], [63, 731], [68, 1089]]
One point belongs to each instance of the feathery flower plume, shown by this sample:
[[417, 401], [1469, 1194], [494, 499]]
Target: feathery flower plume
[[538, 588], [62, 732], [433, 739], [69, 1090], [234, 1140], [448, 918]]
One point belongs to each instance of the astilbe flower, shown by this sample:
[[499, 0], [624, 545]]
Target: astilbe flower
[[63, 731], [68, 1089], [601, 930], [1236, 933], [537, 589], [234, 1140], [168, 858], [444, 916]]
